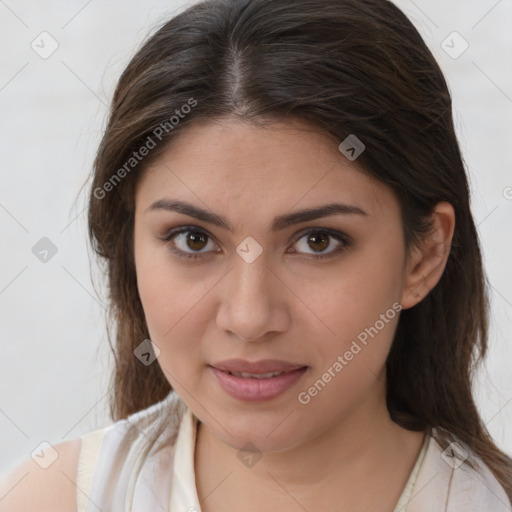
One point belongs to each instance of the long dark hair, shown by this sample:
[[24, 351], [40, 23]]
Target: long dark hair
[[345, 67]]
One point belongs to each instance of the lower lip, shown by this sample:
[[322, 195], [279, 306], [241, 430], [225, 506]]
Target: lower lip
[[257, 390]]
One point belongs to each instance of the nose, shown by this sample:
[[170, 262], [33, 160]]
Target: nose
[[252, 302]]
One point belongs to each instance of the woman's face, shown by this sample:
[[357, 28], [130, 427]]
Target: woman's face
[[263, 289]]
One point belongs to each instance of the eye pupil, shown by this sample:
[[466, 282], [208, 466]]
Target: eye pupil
[[317, 238], [195, 237]]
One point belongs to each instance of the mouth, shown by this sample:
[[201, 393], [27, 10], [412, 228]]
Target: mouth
[[256, 368], [246, 375], [257, 381]]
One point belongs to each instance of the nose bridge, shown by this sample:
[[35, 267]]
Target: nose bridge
[[248, 306], [249, 281]]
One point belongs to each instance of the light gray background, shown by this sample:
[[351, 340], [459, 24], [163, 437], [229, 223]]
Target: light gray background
[[55, 361]]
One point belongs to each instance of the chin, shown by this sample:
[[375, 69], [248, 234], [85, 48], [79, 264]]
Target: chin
[[257, 431]]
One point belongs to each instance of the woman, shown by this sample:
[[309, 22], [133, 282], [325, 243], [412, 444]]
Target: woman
[[294, 273]]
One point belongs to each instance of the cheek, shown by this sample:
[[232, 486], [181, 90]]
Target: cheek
[[157, 296], [358, 306], [363, 317], [172, 311], [175, 309], [164, 295], [168, 309]]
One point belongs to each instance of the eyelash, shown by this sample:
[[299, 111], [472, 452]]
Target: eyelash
[[340, 237]]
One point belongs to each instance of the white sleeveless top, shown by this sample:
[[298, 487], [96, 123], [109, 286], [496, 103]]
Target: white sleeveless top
[[119, 472]]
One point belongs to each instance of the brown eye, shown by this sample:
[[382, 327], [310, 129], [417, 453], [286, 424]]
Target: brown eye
[[196, 240], [184, 242], [318, 240]]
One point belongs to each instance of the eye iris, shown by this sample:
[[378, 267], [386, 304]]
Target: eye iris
[[321, 238], [195, 237]]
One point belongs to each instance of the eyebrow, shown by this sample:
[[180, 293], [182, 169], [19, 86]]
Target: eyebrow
[[280, 222]]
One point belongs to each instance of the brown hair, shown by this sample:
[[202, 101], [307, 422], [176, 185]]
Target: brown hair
[[345, 67]]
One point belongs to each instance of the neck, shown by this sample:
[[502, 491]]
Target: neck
[[366, 450]]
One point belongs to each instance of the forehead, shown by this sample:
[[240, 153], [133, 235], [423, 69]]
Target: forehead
[[229, 162]]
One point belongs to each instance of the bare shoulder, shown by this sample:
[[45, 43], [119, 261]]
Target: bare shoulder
[[46, 485]]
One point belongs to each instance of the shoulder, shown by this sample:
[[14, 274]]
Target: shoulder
[[447, 479], [476, 488], [113, 453], [46, 485]]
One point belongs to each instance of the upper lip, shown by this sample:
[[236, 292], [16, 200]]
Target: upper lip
[[263, 366]]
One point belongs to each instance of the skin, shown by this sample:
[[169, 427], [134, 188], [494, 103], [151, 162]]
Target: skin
[[30, 487], [284, 305]]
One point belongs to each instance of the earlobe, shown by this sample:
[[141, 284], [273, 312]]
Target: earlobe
[[428, 260]]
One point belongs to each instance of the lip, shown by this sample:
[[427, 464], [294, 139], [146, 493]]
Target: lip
[[263, 366], [251, 389]]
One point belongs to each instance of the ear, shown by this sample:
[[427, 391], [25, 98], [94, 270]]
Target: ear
[[428, 260]]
